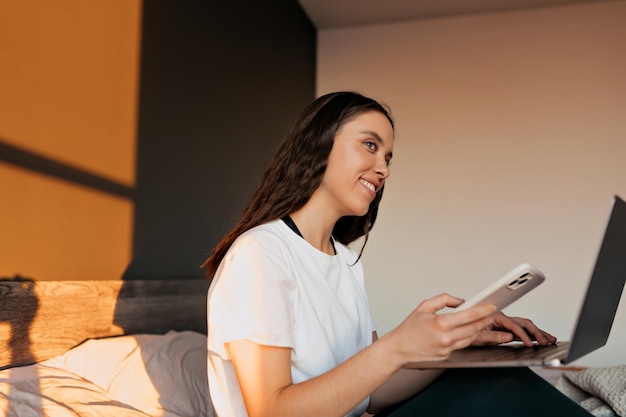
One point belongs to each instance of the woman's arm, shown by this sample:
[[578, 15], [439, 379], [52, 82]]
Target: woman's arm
[[264, 372], [264, 375]]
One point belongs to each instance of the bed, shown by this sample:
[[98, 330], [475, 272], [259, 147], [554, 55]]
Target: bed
[[138, 348], [103, 348]]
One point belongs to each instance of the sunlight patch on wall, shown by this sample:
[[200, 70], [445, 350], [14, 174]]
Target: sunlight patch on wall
[[68, 78], [69, 81]]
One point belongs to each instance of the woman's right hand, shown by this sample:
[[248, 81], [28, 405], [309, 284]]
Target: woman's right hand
[[427, 336]]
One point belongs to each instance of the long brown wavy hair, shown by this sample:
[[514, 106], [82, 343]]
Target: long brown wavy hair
[[297, 170]]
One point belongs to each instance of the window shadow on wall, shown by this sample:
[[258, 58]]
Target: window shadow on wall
[[37, 163]]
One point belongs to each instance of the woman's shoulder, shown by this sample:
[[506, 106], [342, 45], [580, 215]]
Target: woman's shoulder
[[267, 237], [261, 248], [266, 232]]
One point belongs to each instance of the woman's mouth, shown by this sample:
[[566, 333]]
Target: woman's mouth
[[368, 184]]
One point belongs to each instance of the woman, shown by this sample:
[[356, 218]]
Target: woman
[[290, 330]]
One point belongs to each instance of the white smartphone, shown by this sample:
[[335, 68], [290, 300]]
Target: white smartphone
[[510, 287]]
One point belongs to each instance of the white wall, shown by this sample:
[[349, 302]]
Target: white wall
[[510, 142]]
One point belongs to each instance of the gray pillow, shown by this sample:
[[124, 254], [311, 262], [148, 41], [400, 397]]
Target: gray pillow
[[608, 384]]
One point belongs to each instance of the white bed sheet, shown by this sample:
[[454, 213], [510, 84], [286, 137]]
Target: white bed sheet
[[128, 376]]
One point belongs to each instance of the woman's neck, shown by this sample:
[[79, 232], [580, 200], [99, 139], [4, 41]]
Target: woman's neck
[[315, 228]]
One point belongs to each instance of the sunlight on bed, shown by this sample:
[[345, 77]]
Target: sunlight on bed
[[155, 375]]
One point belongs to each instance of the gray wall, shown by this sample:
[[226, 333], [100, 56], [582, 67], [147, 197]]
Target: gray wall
[[220, 84]]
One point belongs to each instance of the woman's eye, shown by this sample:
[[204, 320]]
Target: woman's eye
[[371, 145]]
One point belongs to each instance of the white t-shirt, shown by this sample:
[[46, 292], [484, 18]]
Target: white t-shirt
[[274, 288]]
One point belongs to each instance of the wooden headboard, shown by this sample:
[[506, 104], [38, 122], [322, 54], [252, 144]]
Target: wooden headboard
[[43, 319]]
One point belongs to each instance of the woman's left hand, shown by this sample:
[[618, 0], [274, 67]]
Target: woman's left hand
[[506, 329]]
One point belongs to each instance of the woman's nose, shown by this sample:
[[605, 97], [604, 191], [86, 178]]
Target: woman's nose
[[382, 169]]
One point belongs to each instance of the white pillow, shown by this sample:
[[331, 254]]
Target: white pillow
[[161, 375]]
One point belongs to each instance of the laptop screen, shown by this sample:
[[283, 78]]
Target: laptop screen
[[605, 287]]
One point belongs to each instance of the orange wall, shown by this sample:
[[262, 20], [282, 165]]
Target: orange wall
[[69, 87]]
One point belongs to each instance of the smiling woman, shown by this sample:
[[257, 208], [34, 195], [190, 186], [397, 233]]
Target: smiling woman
[[288, 298], [290, 328]]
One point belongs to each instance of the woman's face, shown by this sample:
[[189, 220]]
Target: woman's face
[[358, 164]]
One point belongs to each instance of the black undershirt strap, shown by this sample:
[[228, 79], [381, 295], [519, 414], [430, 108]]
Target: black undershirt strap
[[292, 225], [289, 222]]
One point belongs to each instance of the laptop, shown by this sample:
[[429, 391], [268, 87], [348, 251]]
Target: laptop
[[595, 317]]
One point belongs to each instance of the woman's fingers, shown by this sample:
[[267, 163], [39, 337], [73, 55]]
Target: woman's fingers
[[441, 301], [506, 329], [425, 335], [456, 326], [532, 332], [507, 324]]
